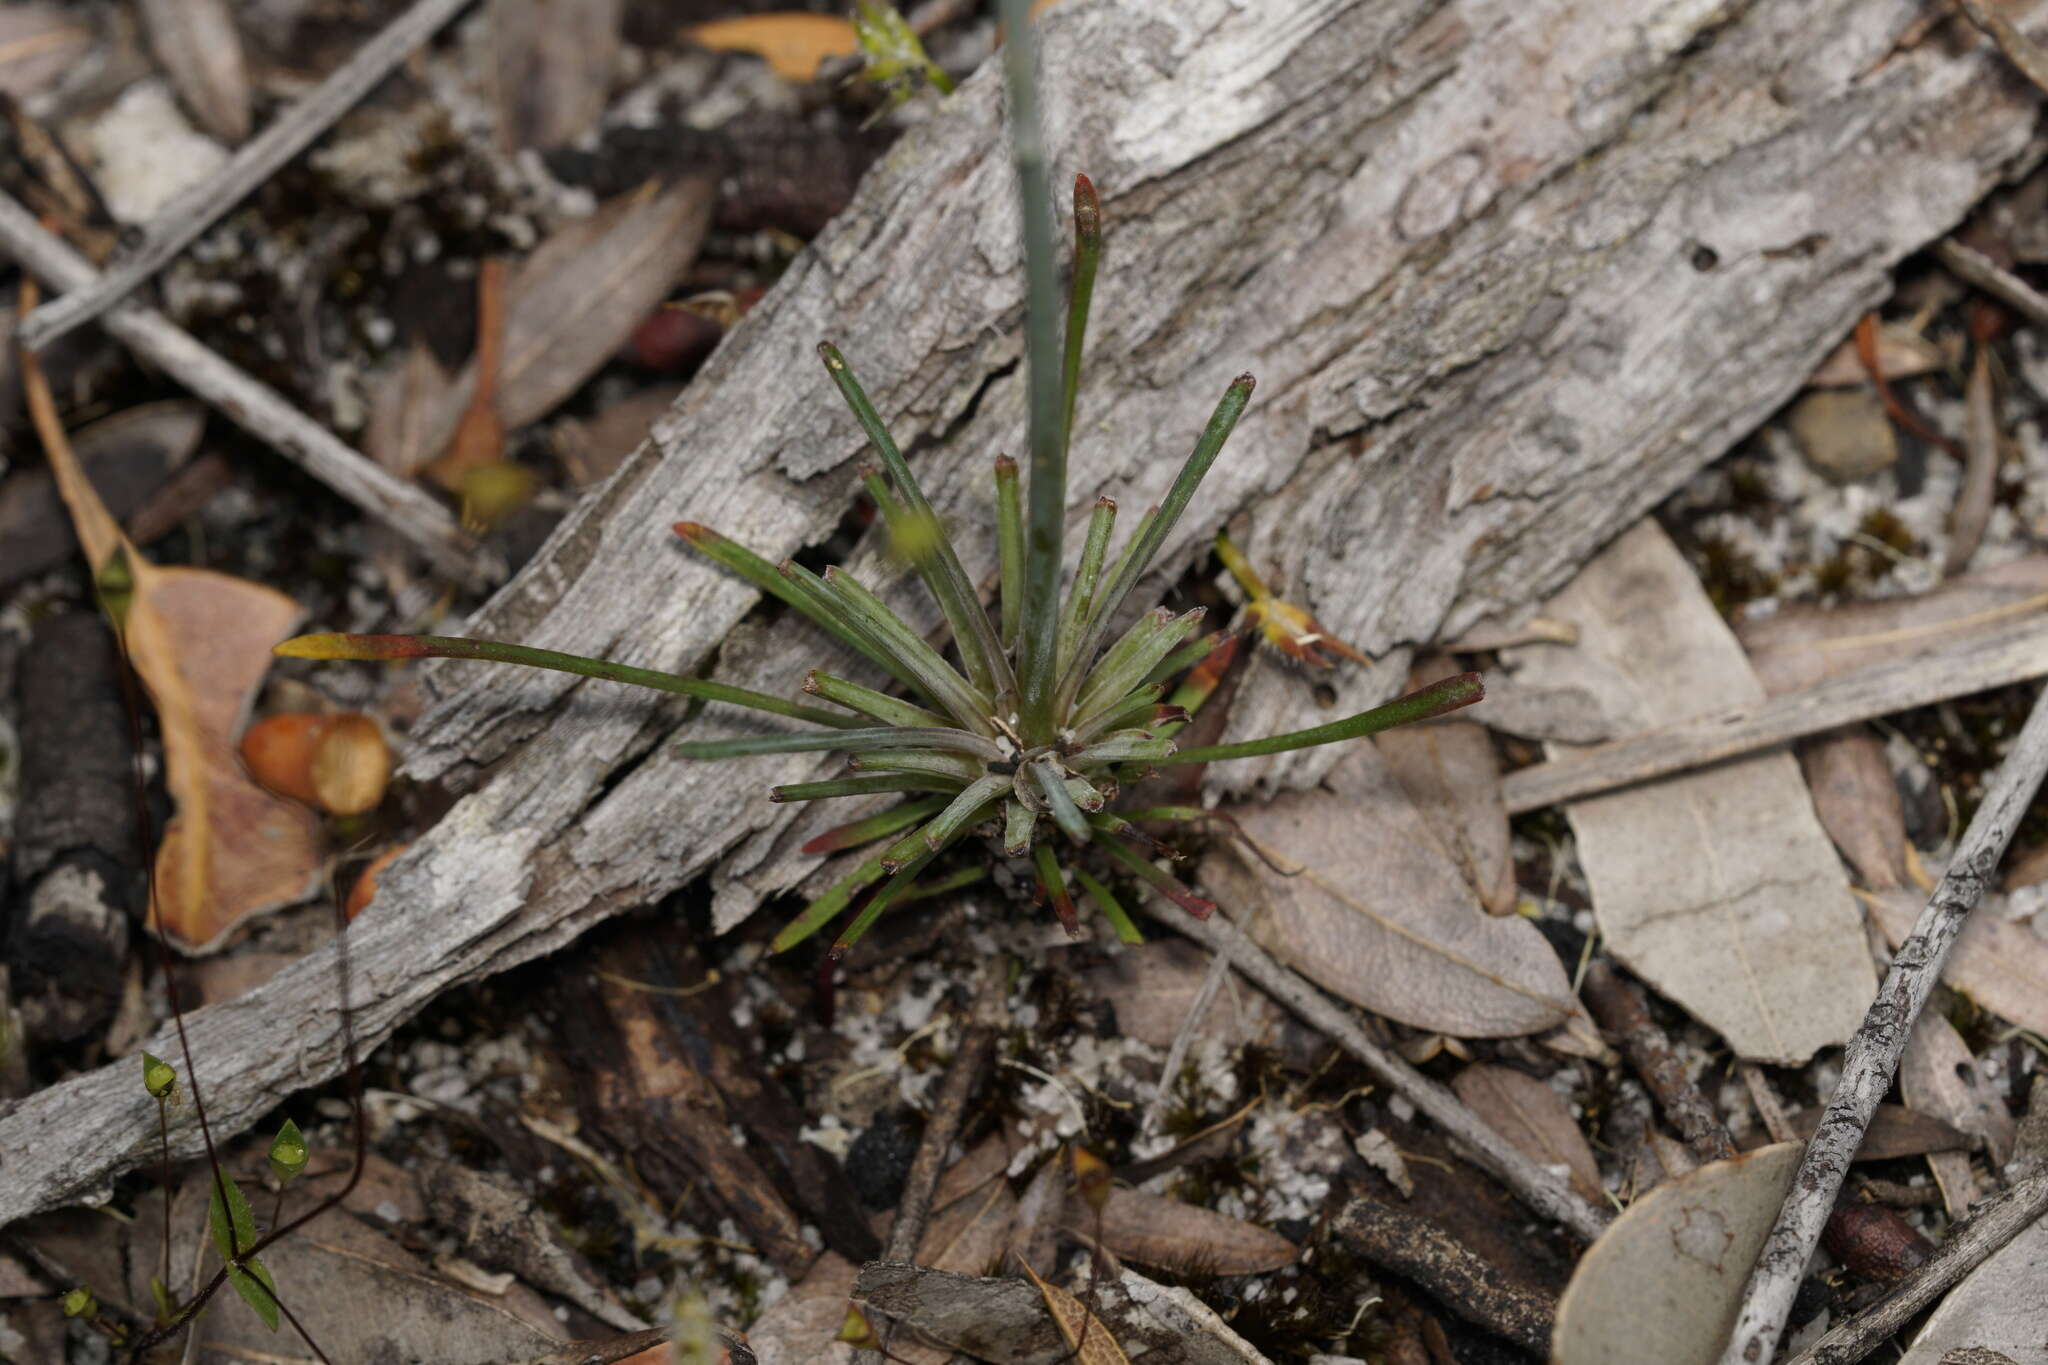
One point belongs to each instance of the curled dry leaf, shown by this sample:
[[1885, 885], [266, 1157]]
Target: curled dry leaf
[[1998, 1307], [200, 641], [1664, 1281], [1534, 1118], [1451, 775], [554, 62], [794, 44], [2000, 964], [1938, 1076], [572, 304], [38, 43], [1366, 904], [1858, 803], [201, 51], [1170, 1235], [1719, 888]]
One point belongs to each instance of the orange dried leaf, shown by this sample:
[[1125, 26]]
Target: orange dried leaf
[[794, 45], [200, 641], [480, 439], [1083, 1332]]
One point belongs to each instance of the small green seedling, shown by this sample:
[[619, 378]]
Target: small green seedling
[[1042, 714]]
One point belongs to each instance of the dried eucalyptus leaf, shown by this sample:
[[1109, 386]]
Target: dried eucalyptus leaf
[[553, 68], [1368, 905], [1938, 1076], [1534, 1118], [1449, 771], [2000, 964], [38, 43], [1858, 803], [1156, 1231], [1998, 1307], [1664, 1281], [201, 51], [1719, 888]]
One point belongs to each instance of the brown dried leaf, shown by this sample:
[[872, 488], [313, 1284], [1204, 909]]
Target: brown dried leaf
[[201, 51], [1895, 1131], [405, 402], [1664, 1281], [1156, 1231], [37, 44], [1858, 803], [793, 44], [200, 641], [970, 1235], [2000, 964], [1998, 1309], [1370, 907], [1972, 512], [1938, 1076], [1902, 353], [1717, 887], [1085, 1335], [1154, 990], [554, 62], [127, 456], [480, 436], [798, 1328], [1534, 1118], [591, 448], [1449, 771]]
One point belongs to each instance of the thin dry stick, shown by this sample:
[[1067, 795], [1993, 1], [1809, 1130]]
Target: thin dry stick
[[255, 407], [2014, 654], [1619, 1007], [200, 205], [1974, 267], [1969, 1244], [1540, 1189], [2022, 51], [1873, 1053], [1455, 1275]]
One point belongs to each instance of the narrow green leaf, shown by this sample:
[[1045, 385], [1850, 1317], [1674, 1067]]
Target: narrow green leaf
[[1055, 887], [964, 809], [932, 551], [389, 647], [1132, 712], [1018, 822], [821, 911], [937, 678], [1122, 670], [252, 1281], [939, 886], [854, 833], [1010, 545], [1086, 579], [1080, 291], [233, 1225], [851, 741], [875, 705], [884, 896], [931, 762], [1129, 746], [858, 786], [1138, 558], [1427, 703], [1112, 909], [1086, 794], [777, 583], [865, 641], [1187, 656], [1165, 883], [1058, 803]]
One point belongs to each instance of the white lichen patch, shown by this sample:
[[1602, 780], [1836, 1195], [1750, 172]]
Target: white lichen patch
[[146, 152]]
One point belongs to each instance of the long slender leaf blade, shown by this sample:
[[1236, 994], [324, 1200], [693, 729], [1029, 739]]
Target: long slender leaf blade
[[1010, 545], [1427, 703]]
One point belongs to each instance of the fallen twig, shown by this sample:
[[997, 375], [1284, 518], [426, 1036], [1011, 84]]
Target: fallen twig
[[1974, 267], [2022, 51], [914, 1210], [1969, 1244], [2013, 654], [1873, 1053], [1453, 1274], [200, 205], [1619, 1007], [254, 406], [1541, 1189]]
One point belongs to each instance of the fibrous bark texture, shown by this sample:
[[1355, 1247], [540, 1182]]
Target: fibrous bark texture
[[1507, 274]]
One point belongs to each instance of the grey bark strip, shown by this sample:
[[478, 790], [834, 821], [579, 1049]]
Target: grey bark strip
[[254, 406], [2014, 654], [1968, 1246], [200, 205], [1510, 342], [1872, 1056], [1542, 1190]]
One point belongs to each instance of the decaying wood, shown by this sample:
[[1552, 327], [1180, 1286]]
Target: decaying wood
[[1623, 1012], [1454, 1276], [1873, 1053], [1494, 319]]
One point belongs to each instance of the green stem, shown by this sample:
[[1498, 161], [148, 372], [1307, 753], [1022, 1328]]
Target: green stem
[[393, 647], [1112, 909], [1080, 292], [1086, 579], [1010, 546], [1426, 703]]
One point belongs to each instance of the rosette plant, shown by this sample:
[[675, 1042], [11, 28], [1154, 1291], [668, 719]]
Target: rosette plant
[[1040, 714]]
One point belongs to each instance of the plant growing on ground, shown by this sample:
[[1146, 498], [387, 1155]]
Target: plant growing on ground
[[1030, 731]]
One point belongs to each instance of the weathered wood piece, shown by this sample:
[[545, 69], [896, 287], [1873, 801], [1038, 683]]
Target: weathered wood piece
[[1507, 275]]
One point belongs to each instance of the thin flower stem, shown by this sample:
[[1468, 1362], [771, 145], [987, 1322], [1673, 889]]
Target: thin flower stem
[[857, 786], [1426, 703], [1086, 578], [1045, 535], [1010, 546], [394, 647], [1112, 909], [853, 741], [1157, 527], [932, 551]]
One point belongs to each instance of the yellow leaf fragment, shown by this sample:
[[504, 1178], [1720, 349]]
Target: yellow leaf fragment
[[793, 44], [1082, 1330]]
